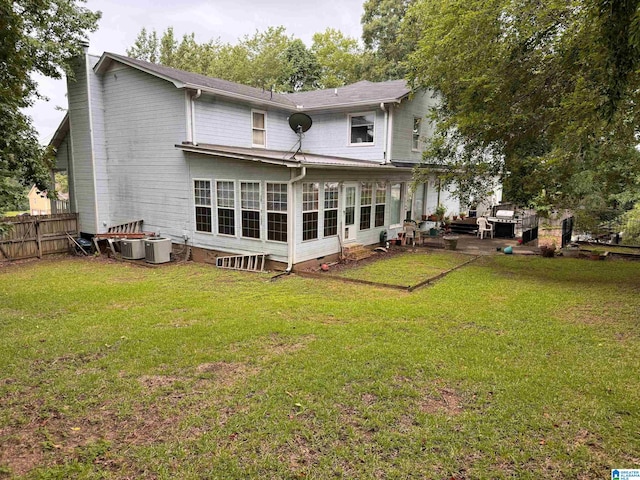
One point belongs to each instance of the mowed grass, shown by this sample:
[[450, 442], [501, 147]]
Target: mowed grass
[[510, 367], [406, 269]]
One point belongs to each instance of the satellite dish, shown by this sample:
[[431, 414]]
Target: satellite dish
[[300, 122]]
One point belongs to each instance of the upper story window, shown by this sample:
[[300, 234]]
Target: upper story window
[[361, 128], [259, 128], [417, 124]]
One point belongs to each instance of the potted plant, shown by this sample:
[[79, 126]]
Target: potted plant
[[440, 211], [596, 254], [462, 215]]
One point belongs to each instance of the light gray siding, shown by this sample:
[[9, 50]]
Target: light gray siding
[[417, 106], [220, 122], [99, 141], [144, 119], [330, 135], [82, 148]]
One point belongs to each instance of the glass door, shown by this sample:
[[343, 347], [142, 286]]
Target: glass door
[[349, 213]]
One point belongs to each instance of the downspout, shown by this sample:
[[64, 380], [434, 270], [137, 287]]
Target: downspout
[[193, 116], [291, 210], [388, 130]]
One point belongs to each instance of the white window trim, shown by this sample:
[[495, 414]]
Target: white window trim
[[362, 144], [212, 206], [324, 209], [371, 205], [264, 113], [267, 212], [416, 149], [375, 203], [317, 211], [235, 207], [402, 200], [260, 208]]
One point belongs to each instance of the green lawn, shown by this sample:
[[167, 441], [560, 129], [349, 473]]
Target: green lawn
[[510, 367], [407, 269]]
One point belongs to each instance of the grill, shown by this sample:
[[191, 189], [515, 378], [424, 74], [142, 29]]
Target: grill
[[504, 223]]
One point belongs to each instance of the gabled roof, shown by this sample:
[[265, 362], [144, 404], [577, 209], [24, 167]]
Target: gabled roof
[[360, 93], [61, 132], [183, 79]]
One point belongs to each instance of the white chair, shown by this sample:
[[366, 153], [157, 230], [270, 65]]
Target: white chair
[[409, 230], [484, 226]]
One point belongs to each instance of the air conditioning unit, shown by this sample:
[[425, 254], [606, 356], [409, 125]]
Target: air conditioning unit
[[157, 250], [132, 249]]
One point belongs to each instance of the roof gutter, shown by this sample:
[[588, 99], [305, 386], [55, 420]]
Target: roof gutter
[[237, 156], [291, 218], [364, 103]]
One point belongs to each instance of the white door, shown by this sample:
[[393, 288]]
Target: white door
[[349, 213]]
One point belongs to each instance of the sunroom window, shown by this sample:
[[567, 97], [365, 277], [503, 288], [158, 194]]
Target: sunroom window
[[310, 211], [277, 212], [202, 201]]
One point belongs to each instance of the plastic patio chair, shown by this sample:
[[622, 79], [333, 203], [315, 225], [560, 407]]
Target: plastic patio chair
[[409, 229], [484, 226]]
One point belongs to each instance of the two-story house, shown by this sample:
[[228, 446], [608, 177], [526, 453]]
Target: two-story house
[[213, 163]]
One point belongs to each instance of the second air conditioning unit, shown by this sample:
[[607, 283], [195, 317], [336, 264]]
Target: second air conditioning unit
[[132, 248], [157, 250]]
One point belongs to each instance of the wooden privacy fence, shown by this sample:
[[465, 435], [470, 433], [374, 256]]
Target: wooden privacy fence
[[35, 236]]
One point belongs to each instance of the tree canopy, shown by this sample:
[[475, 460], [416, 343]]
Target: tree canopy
[[36, 36], [270, 59], [385, 48], [543, 94]]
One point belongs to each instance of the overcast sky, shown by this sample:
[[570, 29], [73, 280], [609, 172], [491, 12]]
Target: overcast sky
[[227, 19]]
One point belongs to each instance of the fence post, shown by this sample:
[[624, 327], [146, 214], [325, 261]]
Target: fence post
[[38, 238]]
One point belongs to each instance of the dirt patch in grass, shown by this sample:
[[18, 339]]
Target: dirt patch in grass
[[159, 381], [43, 436], [276, 345], [225, 374], [299, 455], [443, 400]]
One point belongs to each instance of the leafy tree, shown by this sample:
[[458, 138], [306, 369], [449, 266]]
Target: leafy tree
[[35, 37], [340, 58], [303, 69], [146, 46], [386, 48], [544, 94], [631, 234], [168, 47], [267, 56]]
